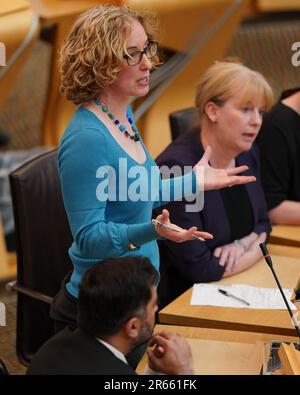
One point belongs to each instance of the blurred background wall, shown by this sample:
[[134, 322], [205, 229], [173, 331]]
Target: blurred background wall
[[261, 35]]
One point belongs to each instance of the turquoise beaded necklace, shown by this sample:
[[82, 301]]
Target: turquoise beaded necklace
[[135, 137]]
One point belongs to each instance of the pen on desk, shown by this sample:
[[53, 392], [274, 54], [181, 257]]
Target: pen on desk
[[155, 222], [222, 291]]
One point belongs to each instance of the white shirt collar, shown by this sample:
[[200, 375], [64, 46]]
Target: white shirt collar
[[116, 352]]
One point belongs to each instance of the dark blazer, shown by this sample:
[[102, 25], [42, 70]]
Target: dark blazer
[[76, 353], [183, 264]]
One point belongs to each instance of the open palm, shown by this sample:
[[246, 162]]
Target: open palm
[[210, 178]]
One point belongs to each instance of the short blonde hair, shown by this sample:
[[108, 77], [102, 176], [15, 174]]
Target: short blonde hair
[[224, 78], [92, 53]]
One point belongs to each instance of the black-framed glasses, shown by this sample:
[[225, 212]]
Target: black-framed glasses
[[134, 58]]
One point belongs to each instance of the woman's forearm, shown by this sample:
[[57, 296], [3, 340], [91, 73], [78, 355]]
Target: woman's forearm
[[249, 240], [286, 213], [247, 260]]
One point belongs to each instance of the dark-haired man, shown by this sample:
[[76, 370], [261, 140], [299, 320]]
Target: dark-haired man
[[117, 304]]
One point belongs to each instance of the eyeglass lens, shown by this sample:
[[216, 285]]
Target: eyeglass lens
[[150, 50]]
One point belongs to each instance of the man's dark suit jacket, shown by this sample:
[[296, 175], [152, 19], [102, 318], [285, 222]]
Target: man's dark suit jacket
[[182, 264], [76, 353]]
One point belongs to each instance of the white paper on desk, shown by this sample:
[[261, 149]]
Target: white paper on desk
[[259, 298]]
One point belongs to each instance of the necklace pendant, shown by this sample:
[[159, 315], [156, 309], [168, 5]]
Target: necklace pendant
[[134, 137]]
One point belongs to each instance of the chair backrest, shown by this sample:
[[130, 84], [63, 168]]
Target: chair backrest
[[43, 237], [3, 370], [183, 120]]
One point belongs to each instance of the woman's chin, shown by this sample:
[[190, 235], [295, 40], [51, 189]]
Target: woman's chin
[[142, 91], [246, 146]]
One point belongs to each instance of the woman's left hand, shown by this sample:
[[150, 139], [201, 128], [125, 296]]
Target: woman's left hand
[[218, 178], [182, 235], [229, 255]]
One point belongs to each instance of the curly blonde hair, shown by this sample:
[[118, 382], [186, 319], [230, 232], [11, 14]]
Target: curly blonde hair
[[92, 53], [223, 78]]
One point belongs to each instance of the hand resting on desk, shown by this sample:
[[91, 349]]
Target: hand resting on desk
[[236, 258], [170, 353]]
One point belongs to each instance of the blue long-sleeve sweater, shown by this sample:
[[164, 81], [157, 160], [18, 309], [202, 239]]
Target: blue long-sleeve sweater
[[103, 222]]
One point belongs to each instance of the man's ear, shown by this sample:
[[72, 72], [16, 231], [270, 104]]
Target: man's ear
[[211, 110], [133, 327]]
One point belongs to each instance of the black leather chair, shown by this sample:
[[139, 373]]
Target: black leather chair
[[183, 120], [43, 237], [3, 370]]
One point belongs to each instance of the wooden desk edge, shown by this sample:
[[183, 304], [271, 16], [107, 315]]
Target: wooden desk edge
[[285, 242], [171, 319]]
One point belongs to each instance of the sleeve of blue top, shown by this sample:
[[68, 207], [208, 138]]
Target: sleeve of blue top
[[79, 159], [174, 188], [177, 188]]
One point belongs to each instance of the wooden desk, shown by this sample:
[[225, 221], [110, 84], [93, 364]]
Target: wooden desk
[[276, 322], [277, 5], [227, 340], [283, 250], [285, 235]]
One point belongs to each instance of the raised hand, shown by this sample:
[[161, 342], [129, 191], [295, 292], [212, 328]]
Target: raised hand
[[178, 234], [218, 178]]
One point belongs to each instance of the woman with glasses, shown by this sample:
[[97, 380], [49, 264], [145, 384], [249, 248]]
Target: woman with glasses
[[110, 184]]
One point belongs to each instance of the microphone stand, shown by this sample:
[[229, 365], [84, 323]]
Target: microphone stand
[[268, 259]]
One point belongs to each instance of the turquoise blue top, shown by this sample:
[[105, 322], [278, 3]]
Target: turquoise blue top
[[102, 220]]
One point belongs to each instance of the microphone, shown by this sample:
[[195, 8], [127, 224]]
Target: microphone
[[268, 259]]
